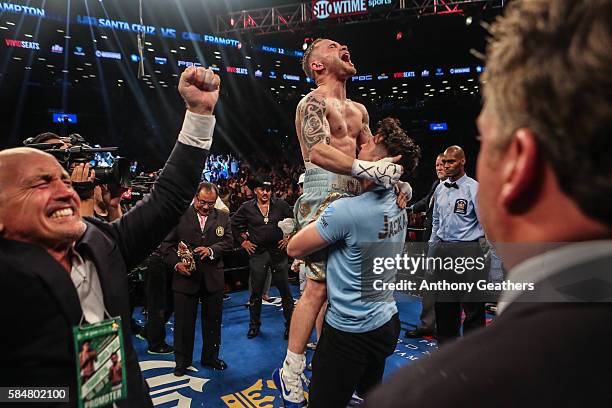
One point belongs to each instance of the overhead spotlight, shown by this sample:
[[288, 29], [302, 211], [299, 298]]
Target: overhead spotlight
[[473, 12], [307, 42], [399, 35]]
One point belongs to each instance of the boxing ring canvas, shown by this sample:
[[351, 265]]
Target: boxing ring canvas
[[247, 383]]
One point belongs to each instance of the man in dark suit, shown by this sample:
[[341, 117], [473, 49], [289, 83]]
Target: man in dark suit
[[425, 204], [545, 177], [59, 269], [427, 324], [206, 232]]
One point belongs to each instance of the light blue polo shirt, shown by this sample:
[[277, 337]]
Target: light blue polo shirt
[[351, 225]]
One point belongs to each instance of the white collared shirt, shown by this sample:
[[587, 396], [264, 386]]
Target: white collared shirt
[[85, 278]]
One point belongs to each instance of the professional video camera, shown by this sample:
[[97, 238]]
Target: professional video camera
[[141, 186], [74, 149]]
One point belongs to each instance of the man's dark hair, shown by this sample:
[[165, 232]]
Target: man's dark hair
[[208, 187], [41, 138], [397, 142]]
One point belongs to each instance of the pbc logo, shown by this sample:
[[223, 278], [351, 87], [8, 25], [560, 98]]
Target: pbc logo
[[189, 64], [362, 78]]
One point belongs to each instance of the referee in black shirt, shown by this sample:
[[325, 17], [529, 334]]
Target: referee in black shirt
[[267, 248]]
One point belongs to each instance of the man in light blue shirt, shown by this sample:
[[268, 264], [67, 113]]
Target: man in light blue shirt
[[353, 228], [361, 325], [456, 233], [455, 212]]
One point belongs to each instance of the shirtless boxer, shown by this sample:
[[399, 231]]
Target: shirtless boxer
[[329, 127]]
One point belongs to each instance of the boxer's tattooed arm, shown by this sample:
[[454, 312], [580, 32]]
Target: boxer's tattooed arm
[[365, 134], [315, 127]]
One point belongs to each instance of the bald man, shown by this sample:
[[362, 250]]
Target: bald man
[[456, 234], [60, 270]]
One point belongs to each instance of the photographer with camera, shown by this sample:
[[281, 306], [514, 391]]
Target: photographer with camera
[[98, 199], [107, 202], [60, 270]]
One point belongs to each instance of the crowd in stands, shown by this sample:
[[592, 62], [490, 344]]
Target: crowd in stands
[[234, 179]]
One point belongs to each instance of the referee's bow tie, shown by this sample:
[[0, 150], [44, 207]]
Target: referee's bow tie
[[451, 185]]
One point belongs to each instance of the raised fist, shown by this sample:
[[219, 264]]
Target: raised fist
[[199, 88]]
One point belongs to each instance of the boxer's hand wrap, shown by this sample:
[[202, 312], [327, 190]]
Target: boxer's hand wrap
[[405, 188], [287, 226], [381, 172]]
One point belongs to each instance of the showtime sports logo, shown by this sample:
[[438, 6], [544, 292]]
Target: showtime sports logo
[[323, 9], [377, 3]]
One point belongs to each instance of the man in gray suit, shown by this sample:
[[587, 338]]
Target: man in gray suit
[[545, 177]]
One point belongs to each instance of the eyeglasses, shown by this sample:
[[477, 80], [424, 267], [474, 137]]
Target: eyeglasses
[[206, 203]]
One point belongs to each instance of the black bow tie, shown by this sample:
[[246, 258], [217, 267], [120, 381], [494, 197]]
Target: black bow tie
[[451, 185]]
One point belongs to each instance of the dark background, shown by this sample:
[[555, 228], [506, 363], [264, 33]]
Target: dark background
[[255, 116]]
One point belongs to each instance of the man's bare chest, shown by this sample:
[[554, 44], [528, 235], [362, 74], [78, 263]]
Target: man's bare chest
[[345, 119]]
